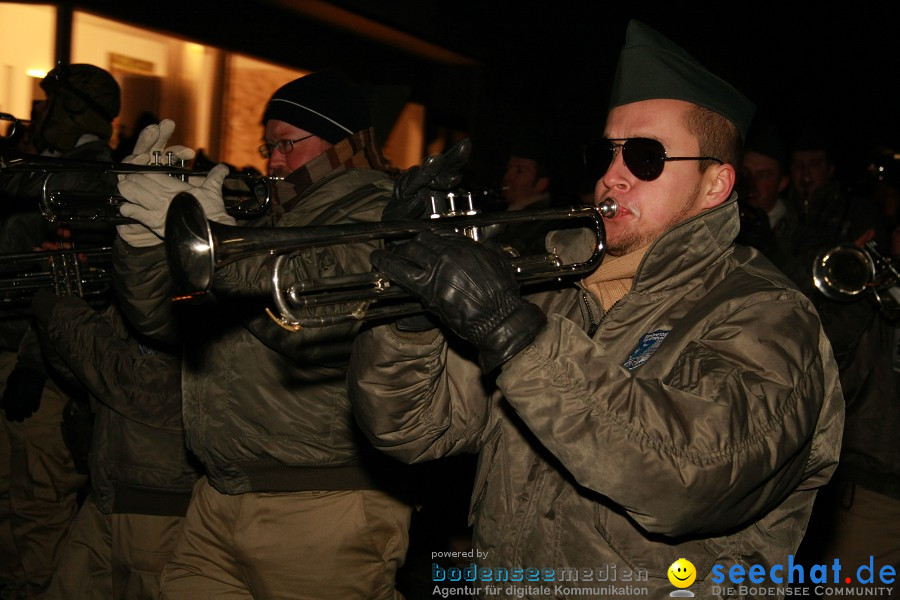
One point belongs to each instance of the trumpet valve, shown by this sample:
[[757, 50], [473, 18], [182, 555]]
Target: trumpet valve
[[457, 205]]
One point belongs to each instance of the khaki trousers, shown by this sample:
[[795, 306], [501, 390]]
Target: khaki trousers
[[43, 488], [10, 566], [863, 524], [345, 545], [114, 556]]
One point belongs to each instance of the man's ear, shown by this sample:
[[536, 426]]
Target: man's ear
[[542, 184], [718, 181]]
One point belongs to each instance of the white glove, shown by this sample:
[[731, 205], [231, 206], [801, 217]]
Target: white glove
[[148, 196], [155, 137], [152, 137]]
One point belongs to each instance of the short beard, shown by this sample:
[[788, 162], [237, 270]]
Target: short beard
[[632, 241]]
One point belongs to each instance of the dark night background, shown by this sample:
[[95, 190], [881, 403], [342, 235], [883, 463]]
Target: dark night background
[[549, 64]]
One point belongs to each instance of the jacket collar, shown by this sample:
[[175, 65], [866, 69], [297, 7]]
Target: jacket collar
[[688, 248]]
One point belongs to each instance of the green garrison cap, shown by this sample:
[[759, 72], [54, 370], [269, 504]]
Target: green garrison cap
[[652, 67]]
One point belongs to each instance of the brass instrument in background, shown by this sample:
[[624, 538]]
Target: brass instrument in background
[[10, 126], [196, 248], [84, 273], [246, 195], [847, 272]]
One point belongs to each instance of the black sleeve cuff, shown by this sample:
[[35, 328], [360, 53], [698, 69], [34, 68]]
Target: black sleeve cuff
[[512, 334]]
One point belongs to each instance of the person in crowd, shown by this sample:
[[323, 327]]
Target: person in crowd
[[295, 503], [141, 475], [856, 519], [526, 186], [768, 222], [73, 123], [855, 515], [828, 211], [526, 181], [46, 472], [659, 409]]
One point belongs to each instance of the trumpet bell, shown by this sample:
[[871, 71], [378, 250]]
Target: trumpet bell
[[189, 246], [844, 272]]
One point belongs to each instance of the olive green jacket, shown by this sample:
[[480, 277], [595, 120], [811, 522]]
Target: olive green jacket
[[138, 460], [695, 419], [266, 409]]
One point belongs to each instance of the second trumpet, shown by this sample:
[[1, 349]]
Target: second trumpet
[[197, 248]]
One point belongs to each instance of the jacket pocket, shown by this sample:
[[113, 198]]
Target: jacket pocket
[[654, 553]]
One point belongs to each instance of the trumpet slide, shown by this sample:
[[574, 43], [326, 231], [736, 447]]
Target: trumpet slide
[[196, 248]]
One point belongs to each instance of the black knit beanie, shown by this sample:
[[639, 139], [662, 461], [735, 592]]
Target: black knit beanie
[[324, 103]]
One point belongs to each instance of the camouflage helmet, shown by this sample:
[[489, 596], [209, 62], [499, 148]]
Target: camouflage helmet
[[94, 86], [83, 99]]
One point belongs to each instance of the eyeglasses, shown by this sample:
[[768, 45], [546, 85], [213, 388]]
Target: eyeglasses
[[283, 146], [644, 157]]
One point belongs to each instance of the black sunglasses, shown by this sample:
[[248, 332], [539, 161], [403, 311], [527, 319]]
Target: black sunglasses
[[645, 158]]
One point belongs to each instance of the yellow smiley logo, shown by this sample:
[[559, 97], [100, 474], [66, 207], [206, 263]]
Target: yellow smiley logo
[[682, 573]]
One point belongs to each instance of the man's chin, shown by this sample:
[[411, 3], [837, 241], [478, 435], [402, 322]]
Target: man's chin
[[620, 246]]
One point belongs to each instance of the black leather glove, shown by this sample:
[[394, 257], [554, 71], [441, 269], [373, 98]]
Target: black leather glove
[[470, 287], [413, 189], [411, 199], [22, 396]]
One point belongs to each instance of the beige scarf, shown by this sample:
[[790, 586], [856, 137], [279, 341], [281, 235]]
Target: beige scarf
[[614, 277]]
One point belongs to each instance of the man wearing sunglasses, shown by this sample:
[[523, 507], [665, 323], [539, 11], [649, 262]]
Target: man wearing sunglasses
[[679, 403]]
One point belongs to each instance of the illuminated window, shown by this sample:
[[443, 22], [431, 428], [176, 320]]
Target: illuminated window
[[26, 54]]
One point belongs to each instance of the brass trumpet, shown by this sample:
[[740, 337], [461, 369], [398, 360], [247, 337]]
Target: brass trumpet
[[196, 248], [846, 272], [246, 195], [82, 273]]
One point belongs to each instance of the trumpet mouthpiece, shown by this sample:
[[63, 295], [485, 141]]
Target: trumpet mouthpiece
[[608, 208]]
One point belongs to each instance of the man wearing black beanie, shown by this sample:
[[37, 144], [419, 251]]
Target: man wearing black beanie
[[295, 503]]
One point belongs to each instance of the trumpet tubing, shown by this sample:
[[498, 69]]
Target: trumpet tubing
[[196, 248], [246, 195], [9, 125], [82, 273]]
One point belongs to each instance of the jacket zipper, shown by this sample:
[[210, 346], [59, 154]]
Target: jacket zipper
[[594, 324]]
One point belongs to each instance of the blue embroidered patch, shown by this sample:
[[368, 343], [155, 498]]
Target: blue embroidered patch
[[645, 348]]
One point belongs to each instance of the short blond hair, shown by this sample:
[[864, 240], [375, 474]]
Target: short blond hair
[[716, 135]]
